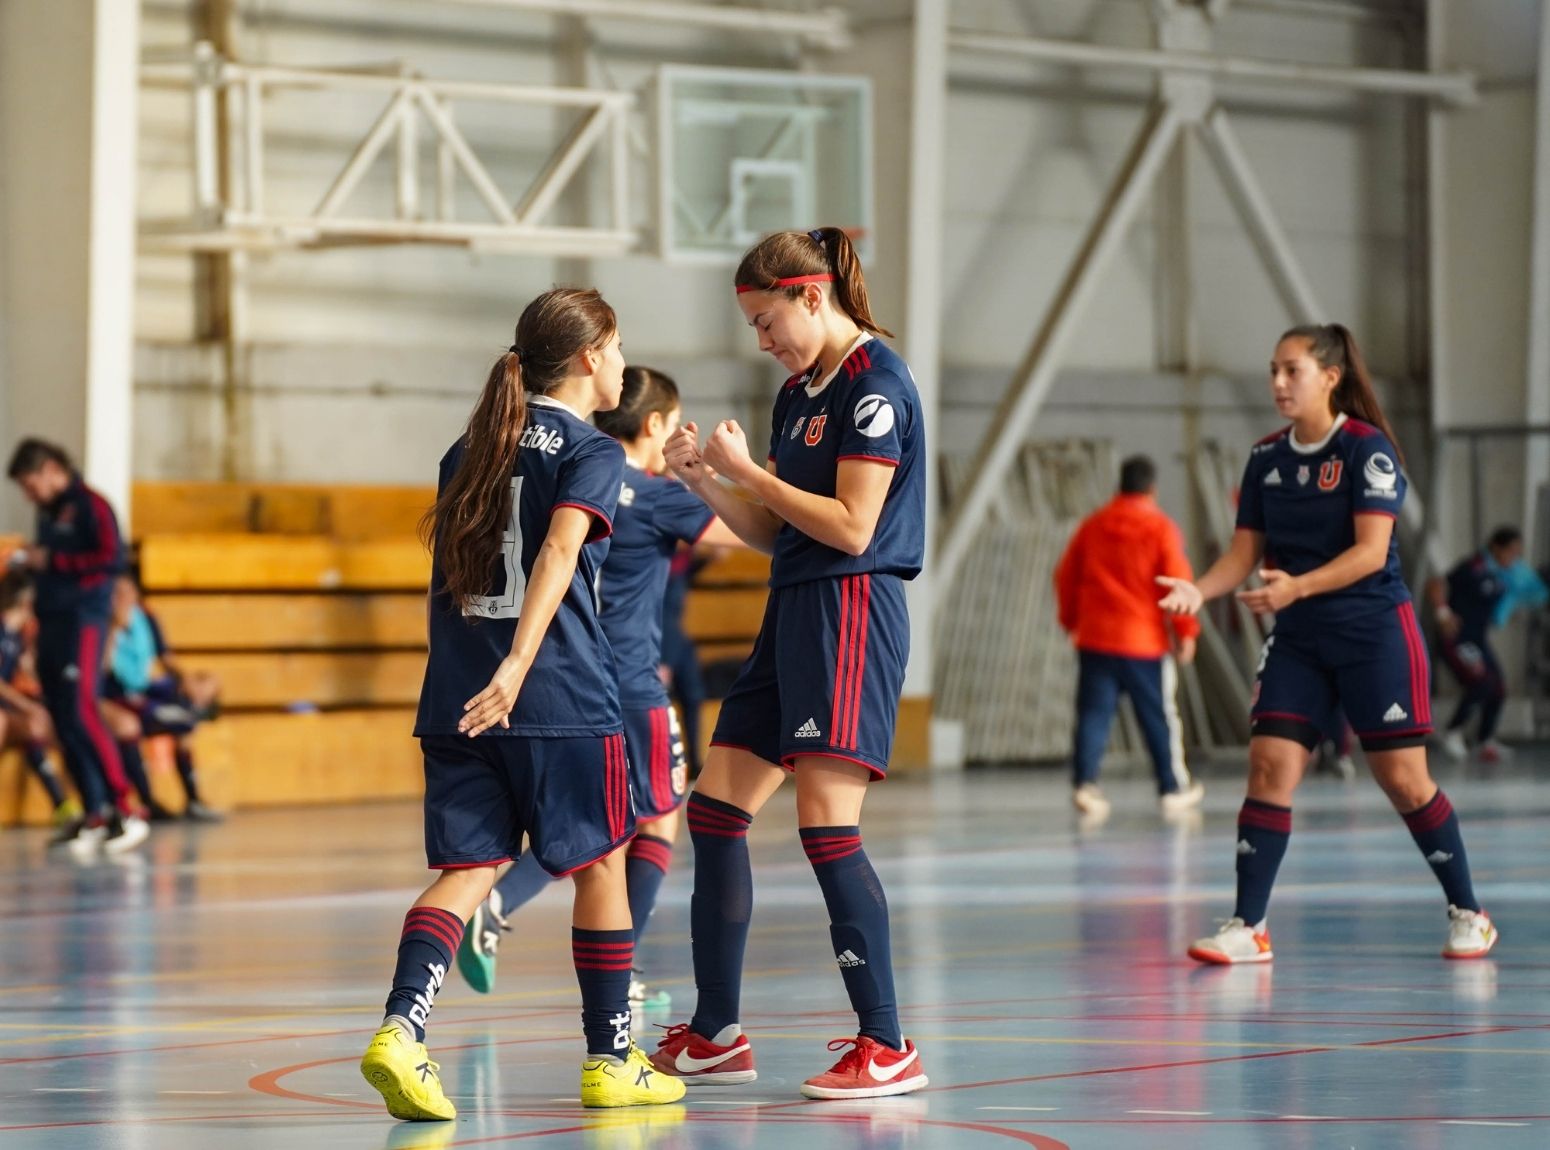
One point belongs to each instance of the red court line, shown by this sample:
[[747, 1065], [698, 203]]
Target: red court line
[[1224, 1059], [174, 1118], [246, 1041], [744, 1118], [269, 1081], [1320, 1120]]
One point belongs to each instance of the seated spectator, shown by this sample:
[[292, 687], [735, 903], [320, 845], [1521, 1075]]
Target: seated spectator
[[146, 694], [24, 721]]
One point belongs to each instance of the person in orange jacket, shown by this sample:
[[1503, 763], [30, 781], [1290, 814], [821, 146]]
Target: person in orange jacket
[[1107, 591]]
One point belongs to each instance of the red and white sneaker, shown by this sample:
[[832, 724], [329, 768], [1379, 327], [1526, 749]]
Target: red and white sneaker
[[726, 1060], [1235, 941], [869, 1070]]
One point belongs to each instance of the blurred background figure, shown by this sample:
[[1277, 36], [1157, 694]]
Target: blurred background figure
[[1481, 592], [1107, 587]]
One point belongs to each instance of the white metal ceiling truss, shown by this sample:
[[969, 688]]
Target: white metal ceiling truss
[[1185, 101], [244, 219]]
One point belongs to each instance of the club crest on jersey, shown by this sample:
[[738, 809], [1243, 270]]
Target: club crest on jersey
[[1303, 475], [815, 428], [1329, 474], [796, 428]]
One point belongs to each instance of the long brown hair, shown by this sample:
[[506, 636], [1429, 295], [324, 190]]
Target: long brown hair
[[822, 251], [1333, 345], [470, 514]]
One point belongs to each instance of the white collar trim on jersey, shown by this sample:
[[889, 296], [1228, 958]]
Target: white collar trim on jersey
[[1315, 448], [545, 401], [817, 389]]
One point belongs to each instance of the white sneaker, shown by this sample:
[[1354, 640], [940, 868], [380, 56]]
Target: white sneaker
[[1088, 799], [1454, 747], [125, 834], [1234, 942], [1177, 802], [87, 842], [1471, 934], [1345, 767], [1491, 751]]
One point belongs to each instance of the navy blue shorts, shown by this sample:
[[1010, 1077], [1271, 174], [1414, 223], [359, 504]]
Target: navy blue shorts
[[571, 797], [1375, 668], [825, 674], [659, 770]]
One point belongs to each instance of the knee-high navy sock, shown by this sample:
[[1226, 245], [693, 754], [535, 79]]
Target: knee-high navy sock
[[1263, 832], [185, 760], [719, 911], [1435, 828], [425, 949], [603, 960], [645, 866], [134, 768], [37, 759], [858, 927], [522, 883]]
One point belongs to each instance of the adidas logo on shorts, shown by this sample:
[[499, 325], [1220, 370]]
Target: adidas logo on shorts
[[1395, 714], [809, 730], [848, 959]]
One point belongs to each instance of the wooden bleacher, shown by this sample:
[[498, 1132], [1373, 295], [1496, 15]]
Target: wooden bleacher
[[309, 603]]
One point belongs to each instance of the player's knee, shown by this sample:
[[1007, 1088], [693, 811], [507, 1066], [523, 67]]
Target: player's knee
[[605, 871], [1274, 771]]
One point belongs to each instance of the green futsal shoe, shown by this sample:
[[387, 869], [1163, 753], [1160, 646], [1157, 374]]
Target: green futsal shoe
[[481, 941]]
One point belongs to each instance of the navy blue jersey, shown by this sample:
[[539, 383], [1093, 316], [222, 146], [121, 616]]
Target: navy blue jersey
[[80, 532], [868, 409], [655, 515], [1475, 589], [1304, 500], [570, 690], [13, 645]]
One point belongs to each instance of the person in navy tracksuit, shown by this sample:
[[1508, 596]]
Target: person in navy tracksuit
[[1316, 518], [840, 506], [77, 554]]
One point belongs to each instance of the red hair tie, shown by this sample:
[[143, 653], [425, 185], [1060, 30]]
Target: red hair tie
[[789, 281]]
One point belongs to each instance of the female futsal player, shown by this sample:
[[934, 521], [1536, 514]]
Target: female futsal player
[[655, 514], [841, 507], [1318, 504], [519, 714]]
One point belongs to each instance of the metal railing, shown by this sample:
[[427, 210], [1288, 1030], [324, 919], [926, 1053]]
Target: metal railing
[[232, 177]]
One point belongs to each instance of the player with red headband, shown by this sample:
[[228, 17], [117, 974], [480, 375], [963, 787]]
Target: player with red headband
[[840, 505]]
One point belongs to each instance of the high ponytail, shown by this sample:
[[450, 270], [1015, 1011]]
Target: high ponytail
[[1333, 345], [823, 254], [470, 515]]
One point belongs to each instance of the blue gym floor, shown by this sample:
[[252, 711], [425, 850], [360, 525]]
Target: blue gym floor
[[217, 991]]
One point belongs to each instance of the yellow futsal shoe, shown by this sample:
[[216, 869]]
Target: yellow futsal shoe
[[629, 1081], [405, 1076]]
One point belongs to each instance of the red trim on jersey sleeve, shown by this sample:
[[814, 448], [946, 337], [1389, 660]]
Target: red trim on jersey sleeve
[[1376, 511], [870, 459], [1360, 428], [709, 523], [1282, 434], [598, 518]]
